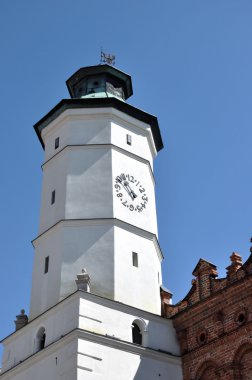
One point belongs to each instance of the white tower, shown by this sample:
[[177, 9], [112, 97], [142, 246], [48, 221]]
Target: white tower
[[97, 212]]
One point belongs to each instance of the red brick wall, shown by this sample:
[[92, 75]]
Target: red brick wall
[[214, 323]]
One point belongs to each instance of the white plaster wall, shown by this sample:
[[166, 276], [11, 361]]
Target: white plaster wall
[[45, 291], [146, 219], [89, 128], [139, 133], [99, 126], [71, 247], [137, 286], [57, 322], [45, 367], [58, 128], [84, 178], [103, 362], [54, 178], [91, 247], [81, 177], [115, 320], [103, 354], [89, 177], [76, 127], [100, 248]]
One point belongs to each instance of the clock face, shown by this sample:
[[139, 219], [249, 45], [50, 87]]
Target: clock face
[[130, 192]]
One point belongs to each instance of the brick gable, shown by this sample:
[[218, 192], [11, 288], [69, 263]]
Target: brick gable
[[214, 322]]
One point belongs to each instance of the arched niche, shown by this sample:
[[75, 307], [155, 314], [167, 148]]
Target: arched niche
[[243, 362], [40, 339], [139, 332], [208, 371]]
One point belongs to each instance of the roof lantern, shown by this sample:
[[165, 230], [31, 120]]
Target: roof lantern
[[101, 81]]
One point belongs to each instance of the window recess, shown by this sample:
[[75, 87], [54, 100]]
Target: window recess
[[46, 269], [129, 139], [135, 259]]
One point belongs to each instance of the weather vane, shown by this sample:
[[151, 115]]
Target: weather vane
[[107, 58]]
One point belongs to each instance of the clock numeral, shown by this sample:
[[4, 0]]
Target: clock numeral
[[124, 188], [138, 208], [118, 179], [130, 178]]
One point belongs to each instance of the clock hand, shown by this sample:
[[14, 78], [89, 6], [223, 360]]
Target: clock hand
[[125, 185], [133, 194], [130, 191]]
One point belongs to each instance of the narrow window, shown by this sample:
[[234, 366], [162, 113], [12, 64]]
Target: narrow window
[[129, 141], [136, 334], [42, 342], [46, 264], [135, 259], [53, 197], [158, 276], [40, 339], [56, 143]]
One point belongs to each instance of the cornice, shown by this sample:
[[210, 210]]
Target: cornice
[[95, 338], [79, 294], [101, 103], [101, 146], [112, 221]]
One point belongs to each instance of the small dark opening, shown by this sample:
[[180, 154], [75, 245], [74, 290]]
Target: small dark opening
[[202, 337], [241, 318], [42, 342], [135, 259], [56, 143], [46, 264], [129, 140], [136, 334], [53, 197]]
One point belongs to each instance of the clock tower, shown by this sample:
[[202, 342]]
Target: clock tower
[[98, 194], [97, 267]]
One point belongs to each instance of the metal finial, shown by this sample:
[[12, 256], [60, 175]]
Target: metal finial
[[107, 58]]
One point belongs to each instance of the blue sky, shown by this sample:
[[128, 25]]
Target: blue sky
[[190, 63]]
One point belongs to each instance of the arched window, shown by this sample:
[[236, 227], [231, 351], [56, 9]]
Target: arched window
[[40, 339], [136, 334], [242, 362], [208, 371]]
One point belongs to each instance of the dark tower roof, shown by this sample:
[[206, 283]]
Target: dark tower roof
[[99, 79], [100, 86]]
